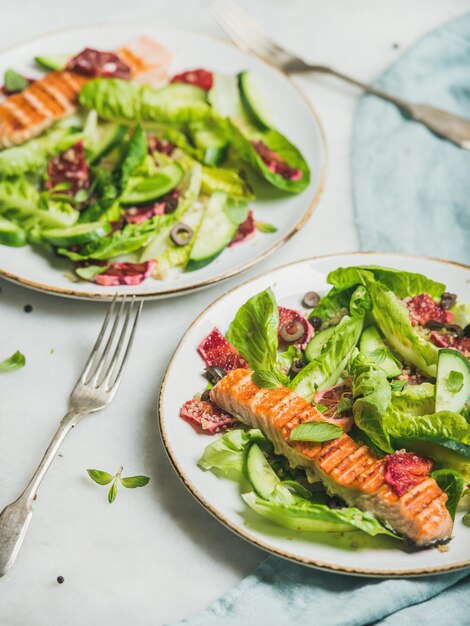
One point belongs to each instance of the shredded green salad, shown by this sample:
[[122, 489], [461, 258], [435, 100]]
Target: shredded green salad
[[140, 179], [383, 355]]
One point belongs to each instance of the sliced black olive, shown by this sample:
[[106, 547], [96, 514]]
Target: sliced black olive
[[181, 234], [292, 331], [315, 321], [466, 330], [170, 204], [458, 331], [214, 373], [297, 366], [448, 300], [311, 299], [434, 325], [205, 395]]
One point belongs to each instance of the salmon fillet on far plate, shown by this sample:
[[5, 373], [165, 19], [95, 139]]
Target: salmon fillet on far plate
[[27, 114], [346, 468]]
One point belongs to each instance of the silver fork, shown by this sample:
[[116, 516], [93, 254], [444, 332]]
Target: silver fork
[[94, 390], [247, 35]]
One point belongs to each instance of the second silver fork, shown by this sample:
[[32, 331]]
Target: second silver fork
[[94, 390], [247, 35]]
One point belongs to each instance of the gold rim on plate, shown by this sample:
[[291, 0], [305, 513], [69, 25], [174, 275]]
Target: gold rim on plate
[[245, 534], [175, 291]]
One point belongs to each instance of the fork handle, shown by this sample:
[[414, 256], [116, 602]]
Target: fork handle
[[447, 125], [15, 518]]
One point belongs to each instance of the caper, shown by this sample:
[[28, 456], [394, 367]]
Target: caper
[[292, 331], [181, 234], [214, 373], [311, 299], [315, 321], [448, 300], [297, 366]]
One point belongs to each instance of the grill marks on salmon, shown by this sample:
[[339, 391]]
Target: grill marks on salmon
[[27, 114], [347, 469]]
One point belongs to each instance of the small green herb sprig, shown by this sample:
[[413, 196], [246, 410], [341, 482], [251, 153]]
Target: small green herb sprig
[[103, 478]]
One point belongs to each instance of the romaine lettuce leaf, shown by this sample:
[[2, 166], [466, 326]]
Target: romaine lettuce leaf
[[402, 283], [254, 330], [392, 317], [112, 98], [121, 100], [14, 362], [226, 454], [32, 155], [414, 399], [443, 436], [21, 202], [305, 515], [372, 393], [242, 143], [325, 370], [453, 484]]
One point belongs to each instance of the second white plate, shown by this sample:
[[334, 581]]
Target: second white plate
[[353, 553], [296, 119]]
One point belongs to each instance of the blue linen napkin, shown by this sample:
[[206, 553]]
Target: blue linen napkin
[[412, 194], [411, 188]]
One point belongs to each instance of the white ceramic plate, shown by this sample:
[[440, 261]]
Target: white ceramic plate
[[350, 552], [296, 118]]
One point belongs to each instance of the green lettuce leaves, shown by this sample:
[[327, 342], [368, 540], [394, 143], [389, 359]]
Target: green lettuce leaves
[[241, 140], [453, 484], [254, 330], [304, 515], [325, 370], [392, 317], [227, 453], [373, 394]]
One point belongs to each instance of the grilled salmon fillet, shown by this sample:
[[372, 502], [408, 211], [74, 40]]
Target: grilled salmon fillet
[[346, 468], [25, 115]]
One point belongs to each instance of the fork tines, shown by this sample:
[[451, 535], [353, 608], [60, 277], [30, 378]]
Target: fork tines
[[106, 365]]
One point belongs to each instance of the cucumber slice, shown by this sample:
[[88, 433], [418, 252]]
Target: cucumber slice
[[254, 101], [55, 62], [109, 136], [153, 187], [453, 381], [76, 235], [219, 225], [209, 139], [316, 344], [261, 475], [373, 346], [11, 234]]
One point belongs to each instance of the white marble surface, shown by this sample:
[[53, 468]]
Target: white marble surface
[[155, 555]]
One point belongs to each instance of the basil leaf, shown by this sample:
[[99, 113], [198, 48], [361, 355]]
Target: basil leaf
[[316, 431], [100, 477], [131, 482], [453, 484], [345, 404], [14, 362], [454, 382], [14, 82], [266, 379], [112, 493], [320, 407], [264, 227]]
